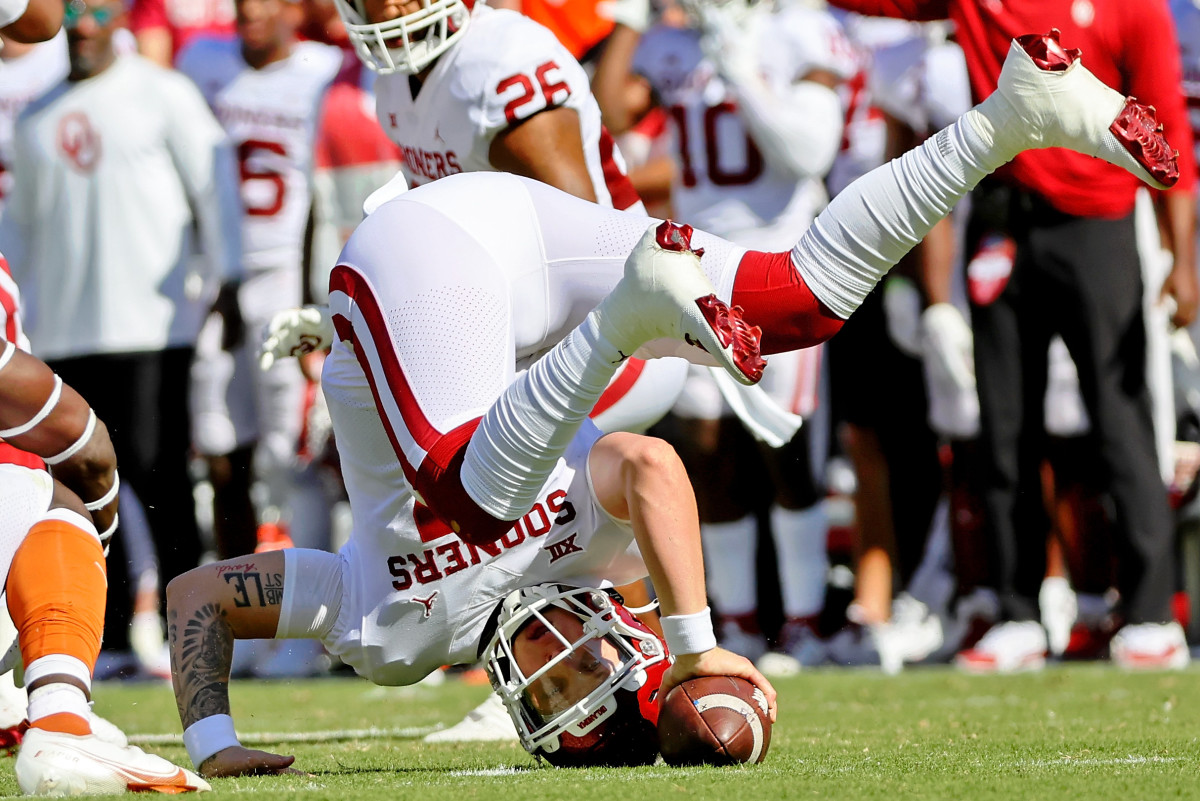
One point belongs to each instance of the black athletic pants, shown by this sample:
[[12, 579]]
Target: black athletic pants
[[143, 399], [1081, 278]]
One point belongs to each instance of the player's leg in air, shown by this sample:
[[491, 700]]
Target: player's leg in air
[[483, 473], [52, 554]]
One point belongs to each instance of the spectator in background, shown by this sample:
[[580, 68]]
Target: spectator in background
[[1075, 272], [114, 168]]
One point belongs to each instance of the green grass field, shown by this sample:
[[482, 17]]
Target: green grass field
[[1080, 732]]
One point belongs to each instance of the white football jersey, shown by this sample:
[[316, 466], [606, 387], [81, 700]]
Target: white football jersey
[[504, 69], [724, 185], [271, 117], [21, 80], [417, 597]]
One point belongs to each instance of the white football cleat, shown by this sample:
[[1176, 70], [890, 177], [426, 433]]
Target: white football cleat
[[488, 722], [1150, 646], [1011, 647], [54, 763], [665, 295], [1046, 93]]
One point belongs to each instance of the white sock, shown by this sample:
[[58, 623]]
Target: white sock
[[51, 699], [528, 428], [872, 223], [800, 537], [729, 553]]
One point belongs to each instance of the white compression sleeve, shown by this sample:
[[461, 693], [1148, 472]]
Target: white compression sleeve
[[528, 428], [880, 217]]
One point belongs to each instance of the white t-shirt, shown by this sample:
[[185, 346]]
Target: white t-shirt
[[21, 80], [271, 117], [98, 230], [504, 69]]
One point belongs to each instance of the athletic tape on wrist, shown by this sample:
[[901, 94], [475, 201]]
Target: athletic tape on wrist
[[47, 407], [74, 447], [208, 736], [100, 503], [689, 634]]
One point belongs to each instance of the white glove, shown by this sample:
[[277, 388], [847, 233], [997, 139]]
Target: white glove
[[295, 332], [727, 44], [902, 314], [948, 353], [633, 14]]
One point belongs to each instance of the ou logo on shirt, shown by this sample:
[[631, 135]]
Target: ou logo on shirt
[[78, 141]]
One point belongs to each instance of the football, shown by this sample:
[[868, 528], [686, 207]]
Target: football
[[714, 720]]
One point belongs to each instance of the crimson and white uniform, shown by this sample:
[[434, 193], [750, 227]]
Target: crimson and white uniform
[[403, 597], [519, 265], [271, 116], [503, 70], [725, 185], [21, 80]]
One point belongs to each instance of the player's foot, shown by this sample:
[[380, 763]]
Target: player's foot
[[800, 647], [1056, 600], [664, 294], [1150, 646], [54, 763], [488, 722], [1046, 92], [734, 637], [272, 537], [1008, 648], [912, 634]]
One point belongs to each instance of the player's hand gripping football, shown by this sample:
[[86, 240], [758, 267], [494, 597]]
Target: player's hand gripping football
[[295, 332], [239, 761], [716, 662]]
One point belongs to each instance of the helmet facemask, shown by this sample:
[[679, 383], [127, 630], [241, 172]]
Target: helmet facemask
[[579, 676], [409, 43]]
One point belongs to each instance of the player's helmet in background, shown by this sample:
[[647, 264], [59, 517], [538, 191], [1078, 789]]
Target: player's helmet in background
[[607, 714], [408, 43]]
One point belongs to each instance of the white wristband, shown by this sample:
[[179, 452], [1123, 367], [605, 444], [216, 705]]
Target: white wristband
[[207, 736], [689, 634]]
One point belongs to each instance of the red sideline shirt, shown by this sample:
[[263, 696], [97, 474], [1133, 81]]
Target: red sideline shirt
[[183, 19], [1131, 46]]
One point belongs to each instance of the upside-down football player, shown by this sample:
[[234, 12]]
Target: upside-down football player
[[473, 323]]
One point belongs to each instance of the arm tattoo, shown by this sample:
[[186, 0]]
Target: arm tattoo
[[202, 676]]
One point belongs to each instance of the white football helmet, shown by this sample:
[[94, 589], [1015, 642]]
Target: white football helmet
[[579, 675], [409, 43]]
